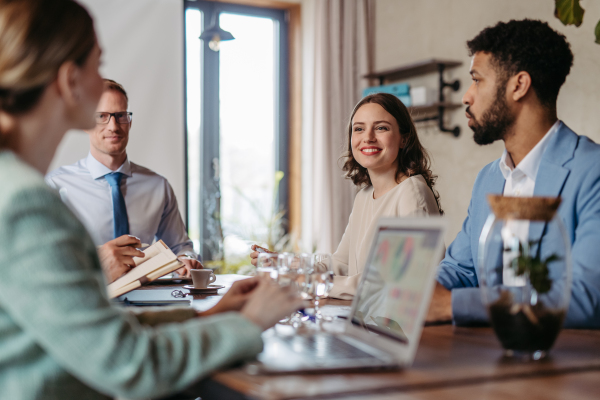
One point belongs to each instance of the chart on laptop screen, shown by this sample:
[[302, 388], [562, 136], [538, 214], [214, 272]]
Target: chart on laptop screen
[[392, 291]]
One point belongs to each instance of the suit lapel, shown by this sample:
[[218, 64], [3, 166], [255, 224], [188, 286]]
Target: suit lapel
[[494, 184], [552, 174]]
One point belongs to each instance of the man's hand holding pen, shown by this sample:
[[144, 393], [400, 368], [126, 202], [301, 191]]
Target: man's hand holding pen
[[116, 256]]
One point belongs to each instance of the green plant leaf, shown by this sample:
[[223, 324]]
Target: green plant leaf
[[278, 176], [569, 12]]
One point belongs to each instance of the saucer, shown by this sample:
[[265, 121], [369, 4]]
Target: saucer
[[209, 289]]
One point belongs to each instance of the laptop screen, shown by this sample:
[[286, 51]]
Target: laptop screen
[[396, 276]]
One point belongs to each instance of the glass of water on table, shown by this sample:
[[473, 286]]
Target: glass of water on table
[[319, 282], [266, 265], [291, 271]]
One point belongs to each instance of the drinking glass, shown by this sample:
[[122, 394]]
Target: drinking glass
[[320, 282], [292, 271], [286, 272], [286, 276], [266, 265], [303, 264]]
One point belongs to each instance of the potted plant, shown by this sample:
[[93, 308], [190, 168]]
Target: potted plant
[[525, 273]]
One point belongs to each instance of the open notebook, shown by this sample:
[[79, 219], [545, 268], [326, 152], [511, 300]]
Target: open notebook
[[158, 260]]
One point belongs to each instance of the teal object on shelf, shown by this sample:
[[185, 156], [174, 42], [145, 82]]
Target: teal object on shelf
[[405, 99], [400, 90]]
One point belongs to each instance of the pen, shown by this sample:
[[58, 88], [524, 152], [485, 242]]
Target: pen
[[142, 246], [259, 249]]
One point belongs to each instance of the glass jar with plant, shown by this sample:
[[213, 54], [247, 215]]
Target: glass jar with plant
[[525, 273]]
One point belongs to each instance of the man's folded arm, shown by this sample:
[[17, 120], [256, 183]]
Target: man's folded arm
[[457, 273], [457, 269]]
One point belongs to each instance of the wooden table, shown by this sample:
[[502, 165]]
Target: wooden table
[[448, 360], [451, 363], [568, 386]]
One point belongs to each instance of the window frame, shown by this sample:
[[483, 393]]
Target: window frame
[[210, 110]]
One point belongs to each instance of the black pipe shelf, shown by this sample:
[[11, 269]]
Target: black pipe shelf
[[421, 68]]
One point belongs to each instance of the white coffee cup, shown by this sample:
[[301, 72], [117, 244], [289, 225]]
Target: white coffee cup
[[202, 278]]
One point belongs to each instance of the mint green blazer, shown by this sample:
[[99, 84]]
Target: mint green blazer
[[61, 338]]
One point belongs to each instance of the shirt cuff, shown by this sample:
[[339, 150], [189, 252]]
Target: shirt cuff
[[190, 254], [468, 308]]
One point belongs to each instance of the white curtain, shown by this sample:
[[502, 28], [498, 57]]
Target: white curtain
[[338, 46]]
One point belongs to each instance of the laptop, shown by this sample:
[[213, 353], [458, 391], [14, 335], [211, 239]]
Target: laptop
[[386, 319]]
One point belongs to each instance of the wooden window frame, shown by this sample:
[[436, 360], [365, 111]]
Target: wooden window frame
[[294, 117], [295, 105]]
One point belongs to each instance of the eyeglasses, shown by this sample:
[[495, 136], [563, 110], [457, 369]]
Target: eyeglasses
[[178, 294], [122, 117]]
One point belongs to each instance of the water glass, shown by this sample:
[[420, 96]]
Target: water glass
[[319, 281], [266, 266], [286, 272], [292, 271]]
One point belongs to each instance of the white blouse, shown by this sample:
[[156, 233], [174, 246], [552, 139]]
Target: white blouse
[[412, 197]]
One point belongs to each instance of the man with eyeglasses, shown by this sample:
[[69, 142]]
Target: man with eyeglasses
[[121, 203]]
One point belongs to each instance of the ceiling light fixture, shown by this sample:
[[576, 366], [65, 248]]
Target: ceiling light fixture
[[215, 35]]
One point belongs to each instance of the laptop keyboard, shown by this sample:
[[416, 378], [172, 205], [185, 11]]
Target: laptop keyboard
[[324, 346]]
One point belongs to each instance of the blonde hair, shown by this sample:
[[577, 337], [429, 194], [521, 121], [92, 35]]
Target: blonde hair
[[36, 38], [109, 84]]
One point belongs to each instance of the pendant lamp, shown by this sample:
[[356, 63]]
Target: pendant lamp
[[215, 35]]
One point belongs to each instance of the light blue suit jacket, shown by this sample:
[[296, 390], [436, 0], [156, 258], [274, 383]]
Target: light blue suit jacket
[[570, 168]]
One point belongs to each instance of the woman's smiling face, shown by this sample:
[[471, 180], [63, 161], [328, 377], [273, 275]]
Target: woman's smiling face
[[376, 138]]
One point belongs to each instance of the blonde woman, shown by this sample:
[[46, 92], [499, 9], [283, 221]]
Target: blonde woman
[[60, 337], [387, 161]]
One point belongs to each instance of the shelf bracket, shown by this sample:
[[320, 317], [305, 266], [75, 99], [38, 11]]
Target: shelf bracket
[[455, 87]]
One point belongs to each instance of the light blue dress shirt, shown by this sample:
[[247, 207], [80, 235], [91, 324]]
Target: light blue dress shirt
[[151, 204]]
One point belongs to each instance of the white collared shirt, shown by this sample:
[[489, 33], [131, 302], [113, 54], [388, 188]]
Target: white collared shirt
[[520, 182], [152, 208]]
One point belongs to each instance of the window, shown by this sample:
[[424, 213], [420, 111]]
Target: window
[[237, 128]]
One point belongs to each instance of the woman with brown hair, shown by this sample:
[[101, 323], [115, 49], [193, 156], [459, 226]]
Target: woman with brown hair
[[60, 336], [386, 160]]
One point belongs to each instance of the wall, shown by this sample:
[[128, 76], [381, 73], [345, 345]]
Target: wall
[[409, 31], [142, 42], [308, 76]]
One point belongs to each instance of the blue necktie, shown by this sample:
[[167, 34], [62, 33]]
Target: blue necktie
[[120, 222]]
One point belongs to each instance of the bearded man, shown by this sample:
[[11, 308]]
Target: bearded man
[[517, 70]]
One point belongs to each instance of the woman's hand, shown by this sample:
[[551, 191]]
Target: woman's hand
[[255, 253], [270, 302], [235, 298]]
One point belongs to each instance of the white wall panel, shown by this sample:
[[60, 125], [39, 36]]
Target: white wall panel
[[142, 42]]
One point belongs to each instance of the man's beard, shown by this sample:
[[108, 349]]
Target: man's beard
[[495, 121]]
